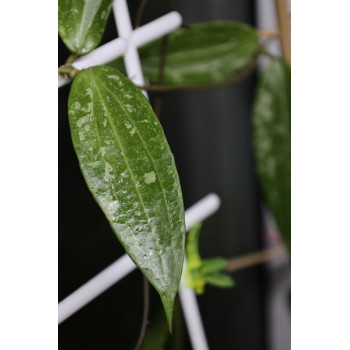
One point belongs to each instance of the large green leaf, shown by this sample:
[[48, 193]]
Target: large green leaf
[[271, 122], [81, 23], [204, 53], [130, 170]]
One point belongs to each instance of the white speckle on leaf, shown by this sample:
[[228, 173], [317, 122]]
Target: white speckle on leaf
[[128, 96], [105, 122], [150, 177], [81, 136], [114, 77], [88, 109], [132, 131], [108, 170], [113, 208], [87, 127], [76, 106], [82, 121], [103, 14], [103, 151], [89, 92], [128, 125], [62, 30], [130, 108]]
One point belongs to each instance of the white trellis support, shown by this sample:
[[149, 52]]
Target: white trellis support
[[131, 56], [126, 45], [117, 47], [200, 211], [192, 317]]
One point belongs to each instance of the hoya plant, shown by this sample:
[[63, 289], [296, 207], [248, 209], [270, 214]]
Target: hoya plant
[[124, 155]]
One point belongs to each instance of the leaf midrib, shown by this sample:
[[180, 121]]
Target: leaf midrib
[[80, 36], [129, 169], [146, 148]]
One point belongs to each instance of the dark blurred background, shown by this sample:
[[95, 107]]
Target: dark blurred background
[[210, 136]]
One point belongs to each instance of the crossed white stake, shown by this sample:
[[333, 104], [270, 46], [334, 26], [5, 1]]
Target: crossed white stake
[[113, 273], [126, 45]]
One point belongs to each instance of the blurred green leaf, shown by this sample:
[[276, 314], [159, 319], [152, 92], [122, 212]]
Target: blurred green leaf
[[193, 257], [199, 272], [271, 126], [81, 23], [204, 53], [130, 170], [219, 280], [212, 265]]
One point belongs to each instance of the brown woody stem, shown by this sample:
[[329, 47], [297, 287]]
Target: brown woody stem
[[256, 258]]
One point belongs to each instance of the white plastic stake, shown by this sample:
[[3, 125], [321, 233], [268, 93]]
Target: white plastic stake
[[131, 56], [93, 288], [124, 265], [193, 318], [202, 210], [101, 55], [205, 207], [116, 48], [156, 29]]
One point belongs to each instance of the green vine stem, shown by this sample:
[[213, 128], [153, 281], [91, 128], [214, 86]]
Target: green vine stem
[[71, 59], [145, 313], [256, 258], [68, 70]]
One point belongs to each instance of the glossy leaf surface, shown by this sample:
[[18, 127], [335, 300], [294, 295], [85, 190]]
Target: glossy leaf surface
[[204, 53], [272, 123], [81, 23], [130, 170]]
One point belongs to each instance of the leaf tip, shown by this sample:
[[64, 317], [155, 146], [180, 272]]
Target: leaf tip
[[168, 303]]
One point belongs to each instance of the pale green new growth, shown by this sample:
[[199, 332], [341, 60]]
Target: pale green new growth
[[198, 271]]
